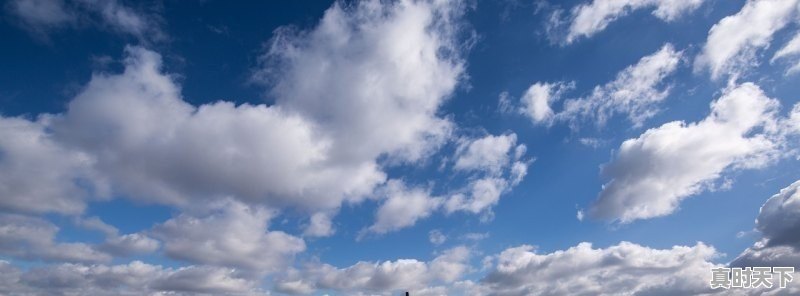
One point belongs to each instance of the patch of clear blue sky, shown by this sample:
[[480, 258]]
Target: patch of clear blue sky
[[214, 46]]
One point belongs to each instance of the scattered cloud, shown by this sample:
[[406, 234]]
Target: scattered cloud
[[135, 278], [733, 42], [537, 100], [651, 175], [490, 153], [584, 270], [229, 234], [635, 92], [588, 19], [34, 239], [497, 164], [381, 278], [402, 207], [32, 157], [328, 75]]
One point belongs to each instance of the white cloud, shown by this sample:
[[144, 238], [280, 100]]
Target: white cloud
[[403, 207], [490, 153], [39, 175], [625, 268], [793, 123], [732, 42], [316, 148], [379, 278], [319, 225], [229, 234], [436, 237], [479, 196], [588, 19], [497, 166], [206, 279], [34, 239], [635, 92], [155, 146], [116, 244], [790, 50], [372, 75], [94, 223], [650, 175], [135, 278], [130, 244], [537, 100]]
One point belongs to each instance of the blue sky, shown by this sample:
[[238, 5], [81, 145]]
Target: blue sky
[[374, 147]]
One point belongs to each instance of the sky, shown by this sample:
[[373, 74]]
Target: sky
[[441, 147]]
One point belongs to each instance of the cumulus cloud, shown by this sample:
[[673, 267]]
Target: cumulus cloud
[[155, 146], [34, 239], [116, 244], [30, 158], [319, 225], [135, 278], [584, 270], [493, 164], [317, 147], [329, 74], [358, 92], [779, 224], [650, 175], [479, 196], [496, 164], [379, 278], [537, 100], [229, 234], [490, 153], [635, 92], [734, 41], [588, 19], [130, 244], [403, 207]]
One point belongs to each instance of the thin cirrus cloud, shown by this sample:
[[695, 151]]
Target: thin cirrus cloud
[[40, 17]]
